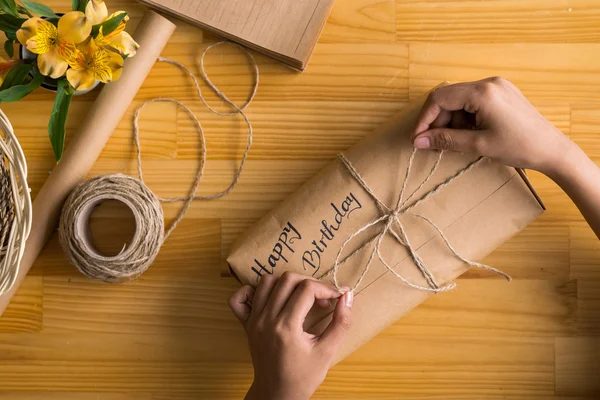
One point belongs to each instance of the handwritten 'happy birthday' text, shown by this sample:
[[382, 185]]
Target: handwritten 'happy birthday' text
[[284, 247]]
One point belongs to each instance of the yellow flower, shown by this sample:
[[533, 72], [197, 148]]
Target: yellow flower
[[74, 26], [5, 66], [54, 45], [118, 39], [91, 63], [96, 11]]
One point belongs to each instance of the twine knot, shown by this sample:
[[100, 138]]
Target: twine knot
[[394, 227]]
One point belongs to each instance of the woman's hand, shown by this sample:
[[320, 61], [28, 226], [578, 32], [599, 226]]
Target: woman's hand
[[289, 363], [492, 118]]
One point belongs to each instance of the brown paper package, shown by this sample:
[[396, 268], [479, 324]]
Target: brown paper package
[[477, 212]]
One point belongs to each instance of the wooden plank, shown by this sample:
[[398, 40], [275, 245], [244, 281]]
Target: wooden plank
[[148, 305], [361, 21], [50, 395], [577, 366], [503, 21], [24, 313], [286, 130], [540, 251], [157, 130], [483, 308], [585, 252], [182, 290], [193, 250], [333, 75], [206, 379], [230, 230], [430, 365], [588, 307], [561, 73], [101, 347]]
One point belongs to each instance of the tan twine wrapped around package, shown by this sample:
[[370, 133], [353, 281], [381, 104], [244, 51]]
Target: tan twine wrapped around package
[[150, 233], [15, 205], [392, 224]]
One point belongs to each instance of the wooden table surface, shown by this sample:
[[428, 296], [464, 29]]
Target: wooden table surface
[[170, 335]]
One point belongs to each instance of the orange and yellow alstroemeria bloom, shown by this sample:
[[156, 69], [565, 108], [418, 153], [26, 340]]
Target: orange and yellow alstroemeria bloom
[[54, 45], [118, 39], [96, 11], [91, 63]]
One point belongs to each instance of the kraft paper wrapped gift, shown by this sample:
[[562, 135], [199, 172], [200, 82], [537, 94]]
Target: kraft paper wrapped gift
[[476, 212]]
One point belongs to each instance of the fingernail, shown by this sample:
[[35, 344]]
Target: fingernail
[[422, 143], [344, 289], [349, 299]]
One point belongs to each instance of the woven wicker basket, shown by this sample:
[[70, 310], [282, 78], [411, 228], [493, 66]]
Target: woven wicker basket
[[15, 205]]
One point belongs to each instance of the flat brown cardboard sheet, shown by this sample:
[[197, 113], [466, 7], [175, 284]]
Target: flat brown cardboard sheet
[[477, 212], [286, 30]]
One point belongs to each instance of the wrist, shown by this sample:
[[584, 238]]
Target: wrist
[[564, 160]]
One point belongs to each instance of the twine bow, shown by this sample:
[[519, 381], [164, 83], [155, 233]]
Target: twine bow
[[392, 224]]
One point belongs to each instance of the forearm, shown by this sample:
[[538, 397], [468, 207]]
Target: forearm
[[579, 177]]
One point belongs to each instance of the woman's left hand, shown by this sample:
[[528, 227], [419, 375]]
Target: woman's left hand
[[289, 363]]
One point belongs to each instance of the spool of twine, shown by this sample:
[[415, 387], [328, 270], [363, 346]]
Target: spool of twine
[[74, 232], [15, 205], [135, 258]]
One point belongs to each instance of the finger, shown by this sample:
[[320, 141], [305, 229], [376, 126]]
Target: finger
[[303, 298], [323, 303], [263, 292], [443, 119], [333, 335], [461, 96], [282, 291], [464, 140], [239, 303]]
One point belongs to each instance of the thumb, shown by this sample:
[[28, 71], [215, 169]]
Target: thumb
[[464, 140], [332, 337]]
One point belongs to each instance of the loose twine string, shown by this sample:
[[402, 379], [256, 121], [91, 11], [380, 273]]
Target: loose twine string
[[15, 205], [145, 206], [392, 224]]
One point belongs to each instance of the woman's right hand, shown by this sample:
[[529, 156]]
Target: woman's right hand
[[492, 118]]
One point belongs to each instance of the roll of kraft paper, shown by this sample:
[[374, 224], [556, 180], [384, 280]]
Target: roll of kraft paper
[[152, 34]]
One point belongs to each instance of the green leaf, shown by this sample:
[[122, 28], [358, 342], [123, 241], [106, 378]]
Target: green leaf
[[9, 47], [75, 4], [40, 9], [82, 5], [109, 25], [58, 118], [9, 6], [17, 92], [23, 10], [16, 76], [10, 22], [69, 90], [11, 35]]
